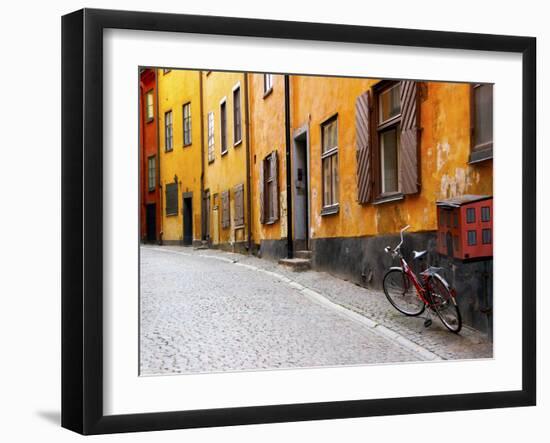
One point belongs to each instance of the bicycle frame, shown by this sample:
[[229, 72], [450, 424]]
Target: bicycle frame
[[421, 290]]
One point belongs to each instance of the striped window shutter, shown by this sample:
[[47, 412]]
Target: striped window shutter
[[261, 188], [408, 161], [363, 146], [239, 205], [275, 189], [225, 209]]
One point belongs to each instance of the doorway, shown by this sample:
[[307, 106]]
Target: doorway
[[151, 222], [188, 218], [300, 188]]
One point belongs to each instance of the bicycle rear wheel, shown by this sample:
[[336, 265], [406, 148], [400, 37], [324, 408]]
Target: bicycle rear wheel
[[444, 304], [401, 293]]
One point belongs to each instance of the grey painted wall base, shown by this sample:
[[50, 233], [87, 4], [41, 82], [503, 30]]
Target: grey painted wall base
[[271, 249], [362, 260]]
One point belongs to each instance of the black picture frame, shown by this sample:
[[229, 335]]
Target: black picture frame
[[82, 231]]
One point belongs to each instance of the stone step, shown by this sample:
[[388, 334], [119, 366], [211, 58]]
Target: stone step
[[303, 254], [296, 264]]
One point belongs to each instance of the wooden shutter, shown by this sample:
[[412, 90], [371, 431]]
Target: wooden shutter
[[225, 209], [363, 147], [239, 205], [275, 189], [261, 188], [408, 163]]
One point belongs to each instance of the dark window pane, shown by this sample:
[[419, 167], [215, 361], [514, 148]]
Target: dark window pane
[[171, 199], [470, 215], [483, 114], [223, 128], [486, 236], [472, 238], [388, 160], [485, 213], [390, 103], [237, 115]]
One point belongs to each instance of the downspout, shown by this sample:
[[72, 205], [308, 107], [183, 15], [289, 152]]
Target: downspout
[[248, 189], [159, 193], [290, 249], [201, 198]]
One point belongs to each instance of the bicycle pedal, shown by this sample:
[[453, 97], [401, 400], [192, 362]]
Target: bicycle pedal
[[427, 323]]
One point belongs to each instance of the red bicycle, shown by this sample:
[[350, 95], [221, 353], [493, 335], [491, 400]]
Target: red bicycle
[[411, 295]]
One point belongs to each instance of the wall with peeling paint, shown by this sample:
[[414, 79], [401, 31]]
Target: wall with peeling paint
[[444, 153], [175, 88], [227, 170]]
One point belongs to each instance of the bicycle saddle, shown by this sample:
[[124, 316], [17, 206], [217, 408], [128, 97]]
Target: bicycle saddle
[[419, 254]]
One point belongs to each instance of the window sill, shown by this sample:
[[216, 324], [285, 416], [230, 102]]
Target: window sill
[[388, 198], [151, 189], [168, 150], [223, 153], [171, 215], [185, 145], [210, 161], [268, 92], [330, 210], [480, 155], [238, 142], [150, 120], [239, 226]]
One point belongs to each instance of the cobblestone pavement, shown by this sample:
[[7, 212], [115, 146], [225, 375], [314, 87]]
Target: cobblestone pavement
[[469, 344], [205, 311]]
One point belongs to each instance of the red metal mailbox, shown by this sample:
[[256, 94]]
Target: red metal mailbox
[[465, 227]]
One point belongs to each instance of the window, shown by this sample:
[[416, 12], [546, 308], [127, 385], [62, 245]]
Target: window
[[268, 83], [472, 238], [149, 108], [187, 124], [485, 213], [470, 215], [269, 190], [171, 198], [237, 131], [486, 236], [166, 71], [329, 156], [211, 153], [223, 128], [168, 132], [482, 122], [389, 119], [152, 169]]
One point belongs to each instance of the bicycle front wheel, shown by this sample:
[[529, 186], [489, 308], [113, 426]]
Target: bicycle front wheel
[[444, 304], [401, 293]]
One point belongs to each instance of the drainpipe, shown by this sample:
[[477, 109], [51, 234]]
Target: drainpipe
[[203, 209], [159, 193], [248, 190], [290, 249]]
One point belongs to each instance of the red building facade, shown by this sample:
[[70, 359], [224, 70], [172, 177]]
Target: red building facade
[[150, 206]]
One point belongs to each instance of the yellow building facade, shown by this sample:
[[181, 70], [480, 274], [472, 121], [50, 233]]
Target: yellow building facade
[[225, 159], [179, 102], [267, 139]]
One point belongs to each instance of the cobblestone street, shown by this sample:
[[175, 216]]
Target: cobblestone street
[[207, 310]]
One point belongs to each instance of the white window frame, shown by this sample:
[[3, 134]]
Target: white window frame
[[211, 140]]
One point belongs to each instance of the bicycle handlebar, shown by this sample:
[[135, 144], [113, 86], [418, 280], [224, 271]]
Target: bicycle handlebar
[[388, 249]]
